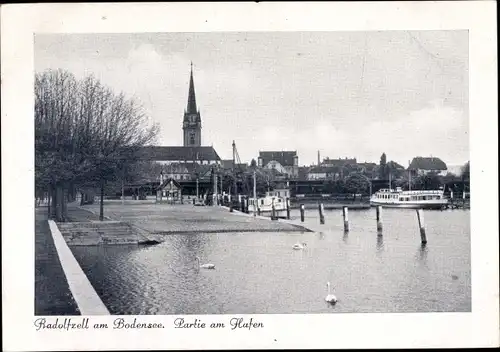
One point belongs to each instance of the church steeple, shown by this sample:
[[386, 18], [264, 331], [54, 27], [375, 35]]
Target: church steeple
[[192, 119], [191, 106]]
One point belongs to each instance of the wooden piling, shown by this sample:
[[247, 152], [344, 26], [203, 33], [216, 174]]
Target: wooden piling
[[273, 213], [258, 210], [288, 208], [194, 201], [345, 214], [379, 219], [421, 225], [321, 213], [302, 212]]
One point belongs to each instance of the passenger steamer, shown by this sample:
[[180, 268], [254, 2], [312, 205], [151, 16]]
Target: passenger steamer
[[420, 199]]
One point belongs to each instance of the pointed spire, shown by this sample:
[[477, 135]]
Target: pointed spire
[[191, 106]]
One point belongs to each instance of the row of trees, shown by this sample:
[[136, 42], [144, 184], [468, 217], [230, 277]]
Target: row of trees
[[85, 136]]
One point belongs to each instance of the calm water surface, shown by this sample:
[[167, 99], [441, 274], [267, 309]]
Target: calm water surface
[[260, 273]]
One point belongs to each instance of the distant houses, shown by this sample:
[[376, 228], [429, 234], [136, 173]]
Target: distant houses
[[182, 163], [426, 165], [284, 162]]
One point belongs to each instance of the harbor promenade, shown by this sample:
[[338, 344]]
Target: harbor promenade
[[186, 218], [52, 292]]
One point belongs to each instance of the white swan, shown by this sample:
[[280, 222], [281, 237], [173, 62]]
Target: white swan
[[330, 298], [299, 245], [205, 266]]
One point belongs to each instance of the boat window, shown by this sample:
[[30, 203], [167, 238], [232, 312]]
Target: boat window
[[262, 202], [401, 199]]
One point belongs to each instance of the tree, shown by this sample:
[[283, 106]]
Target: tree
[[253, 163], [357, 183], [84, 135], [383, 166], [466, 171], [426, 182]]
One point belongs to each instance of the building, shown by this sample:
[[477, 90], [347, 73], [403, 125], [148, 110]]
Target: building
[[192, 160], [327, 162], [324, 173], [191, 125], [427, 165], [285, 162], [368, 169], [169, 190]]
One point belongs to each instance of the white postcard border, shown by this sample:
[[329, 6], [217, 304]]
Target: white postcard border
[[19, 22]]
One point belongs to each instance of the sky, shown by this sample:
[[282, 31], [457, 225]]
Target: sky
[[344, 94]]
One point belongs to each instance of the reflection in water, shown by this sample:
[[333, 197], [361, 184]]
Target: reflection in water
[[345, 238], [259, 273], [422, 252], [380, 243]]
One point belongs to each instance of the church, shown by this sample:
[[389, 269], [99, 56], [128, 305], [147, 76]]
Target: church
[[183, 162]]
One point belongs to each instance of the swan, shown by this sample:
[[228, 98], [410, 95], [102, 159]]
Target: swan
[[205, 266], [299, 245], [330, 298]]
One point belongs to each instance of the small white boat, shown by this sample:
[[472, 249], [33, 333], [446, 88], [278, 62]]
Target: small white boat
[[421, 199], [276, 199]]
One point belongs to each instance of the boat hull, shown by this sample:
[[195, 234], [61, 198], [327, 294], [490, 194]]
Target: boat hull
[[268, 212], [411, 205]]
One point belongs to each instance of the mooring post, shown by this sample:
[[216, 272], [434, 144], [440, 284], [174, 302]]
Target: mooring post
[[288, 208], [321, 213], [421, 225], [273, 212], [302, 212], [242, 204], [379, 219], [246, 205], [258, 210], [345, 214]]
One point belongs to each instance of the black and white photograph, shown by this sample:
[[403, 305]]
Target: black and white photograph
[[229, 173], [249, 174]]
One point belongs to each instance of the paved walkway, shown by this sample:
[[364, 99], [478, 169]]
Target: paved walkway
[[52, 293], [167, 219]]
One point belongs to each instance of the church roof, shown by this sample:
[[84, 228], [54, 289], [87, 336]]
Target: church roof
[[285, 158], [157, 153]]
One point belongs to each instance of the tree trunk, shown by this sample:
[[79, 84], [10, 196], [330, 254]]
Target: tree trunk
[[64, 203], [49, 195], [101, 205], [54, 203], [59, 202]]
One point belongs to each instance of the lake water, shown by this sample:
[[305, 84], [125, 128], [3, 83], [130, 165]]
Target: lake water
[[261, 273]]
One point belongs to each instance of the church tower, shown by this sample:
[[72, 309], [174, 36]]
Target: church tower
[[192, 120]]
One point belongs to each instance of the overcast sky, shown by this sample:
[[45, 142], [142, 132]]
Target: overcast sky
[[346, 94]]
